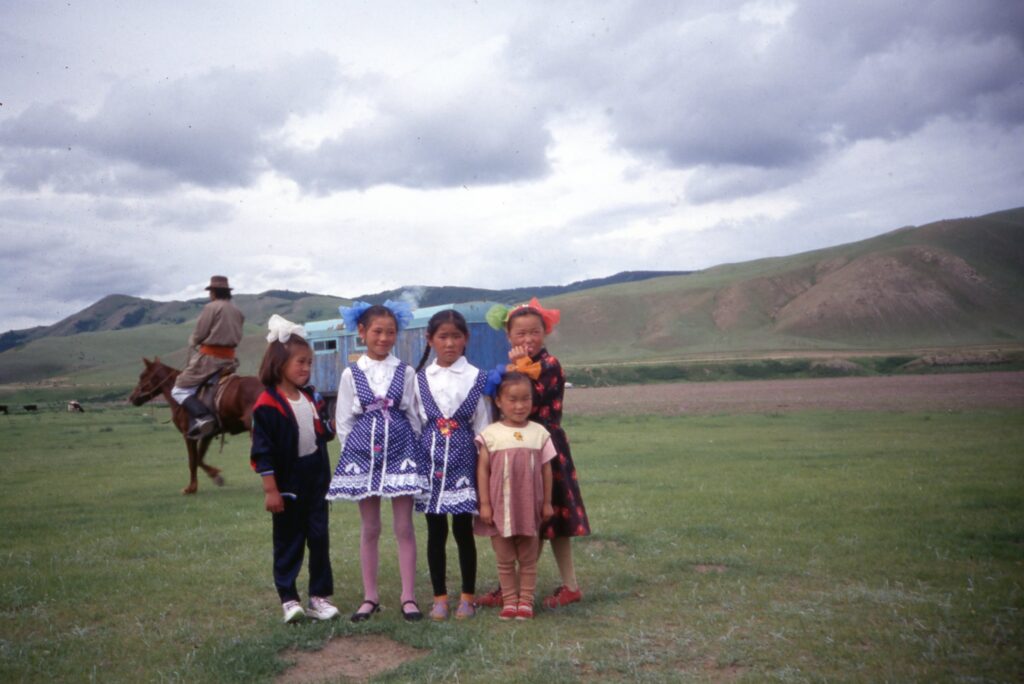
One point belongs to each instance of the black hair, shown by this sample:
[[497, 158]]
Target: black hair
[[220, 292], [275, 358], [376, 311], [525, 311], [434, 324], [512, 378]]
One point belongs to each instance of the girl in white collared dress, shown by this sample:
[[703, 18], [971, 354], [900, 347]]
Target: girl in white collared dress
[[453, 411], [377, 423]]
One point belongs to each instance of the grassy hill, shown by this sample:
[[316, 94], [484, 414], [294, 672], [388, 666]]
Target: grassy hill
[[434, 296], [946, 284], [102, 344]]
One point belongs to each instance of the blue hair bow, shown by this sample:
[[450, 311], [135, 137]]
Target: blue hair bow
[[402, 312], [494, 378], [351, 314]]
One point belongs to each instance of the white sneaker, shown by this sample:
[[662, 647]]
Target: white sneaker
[[293, 611], [321, 608]]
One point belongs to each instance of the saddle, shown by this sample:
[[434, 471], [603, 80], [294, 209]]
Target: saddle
[[211, 390]]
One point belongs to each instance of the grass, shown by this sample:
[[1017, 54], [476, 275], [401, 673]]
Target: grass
[[754, 368], [798, 547]]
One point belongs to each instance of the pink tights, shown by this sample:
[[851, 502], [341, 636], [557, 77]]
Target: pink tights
[[405, 533]]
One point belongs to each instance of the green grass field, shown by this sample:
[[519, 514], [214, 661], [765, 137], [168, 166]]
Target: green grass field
[[802, 547]]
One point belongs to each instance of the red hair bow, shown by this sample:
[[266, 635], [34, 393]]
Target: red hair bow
[[551, 317]]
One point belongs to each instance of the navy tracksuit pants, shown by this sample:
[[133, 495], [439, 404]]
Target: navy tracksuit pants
[[303, 523]]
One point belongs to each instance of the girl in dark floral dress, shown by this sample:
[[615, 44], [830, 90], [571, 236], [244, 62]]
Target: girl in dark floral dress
[[526, 326]]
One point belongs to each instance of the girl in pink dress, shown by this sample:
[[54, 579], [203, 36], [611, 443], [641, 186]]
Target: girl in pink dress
[[514, 480]]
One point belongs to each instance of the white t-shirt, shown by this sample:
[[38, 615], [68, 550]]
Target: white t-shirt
[[303, 410]]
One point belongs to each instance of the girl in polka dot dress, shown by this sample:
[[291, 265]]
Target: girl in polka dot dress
[[453, 410], [377, 422]]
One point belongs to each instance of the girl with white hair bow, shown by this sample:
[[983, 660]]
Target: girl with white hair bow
[[290, 431]]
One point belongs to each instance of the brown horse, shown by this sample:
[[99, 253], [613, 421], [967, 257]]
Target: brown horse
[[235, 412]]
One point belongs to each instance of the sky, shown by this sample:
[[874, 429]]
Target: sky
[[350, 147]]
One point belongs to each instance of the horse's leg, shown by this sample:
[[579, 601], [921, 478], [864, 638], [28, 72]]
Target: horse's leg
[[193, 459], [213, 472]]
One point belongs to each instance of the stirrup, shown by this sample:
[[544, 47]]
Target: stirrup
[[204, 426]]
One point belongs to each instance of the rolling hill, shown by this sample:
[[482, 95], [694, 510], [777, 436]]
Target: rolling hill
[[952, 283]]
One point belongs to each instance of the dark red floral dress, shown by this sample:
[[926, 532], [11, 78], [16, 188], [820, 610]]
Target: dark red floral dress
[[570, 519]]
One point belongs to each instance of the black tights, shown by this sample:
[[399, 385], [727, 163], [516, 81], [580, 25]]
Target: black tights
[[437, 539]]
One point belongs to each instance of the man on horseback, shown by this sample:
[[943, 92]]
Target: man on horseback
[[211, 350]]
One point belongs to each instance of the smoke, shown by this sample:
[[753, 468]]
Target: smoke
[[412, 296]]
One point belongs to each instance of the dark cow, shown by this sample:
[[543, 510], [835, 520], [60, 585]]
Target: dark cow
[[31, 408]]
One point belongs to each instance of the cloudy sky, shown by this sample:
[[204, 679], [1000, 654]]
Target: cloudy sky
[[350, 147]]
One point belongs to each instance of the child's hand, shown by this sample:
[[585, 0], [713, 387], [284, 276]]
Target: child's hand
[[547, 512], [516, 353], [273, 502], [486, 515]]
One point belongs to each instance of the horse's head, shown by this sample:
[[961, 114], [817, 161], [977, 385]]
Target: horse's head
[[152, 381]]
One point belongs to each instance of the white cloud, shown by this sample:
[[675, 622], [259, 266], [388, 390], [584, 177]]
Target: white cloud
[[348, 148]]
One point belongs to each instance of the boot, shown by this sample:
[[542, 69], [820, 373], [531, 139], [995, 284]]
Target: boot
[[201, 422]]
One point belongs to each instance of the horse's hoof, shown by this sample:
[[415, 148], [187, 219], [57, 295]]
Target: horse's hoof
[[218, 480], [191, 489]]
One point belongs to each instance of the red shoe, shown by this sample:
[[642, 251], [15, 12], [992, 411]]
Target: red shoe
[[490, 600], [509, 612], [563, 596], [525, 611]]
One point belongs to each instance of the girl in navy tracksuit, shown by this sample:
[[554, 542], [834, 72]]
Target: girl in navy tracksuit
[[289, 450]]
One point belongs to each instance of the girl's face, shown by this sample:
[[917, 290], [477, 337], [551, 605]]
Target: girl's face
[[515, 402], [449, 343], [297, 369], [527, 331], [379, 334]]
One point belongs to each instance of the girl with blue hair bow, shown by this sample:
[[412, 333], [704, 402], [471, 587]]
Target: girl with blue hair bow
[[378, 424]]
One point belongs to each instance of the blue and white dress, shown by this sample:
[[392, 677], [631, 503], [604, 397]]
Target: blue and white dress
[[451, 420], [380, 456]]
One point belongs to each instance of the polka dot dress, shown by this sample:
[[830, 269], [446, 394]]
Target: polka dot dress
[[380, 456], [450, 461], [570, 519]]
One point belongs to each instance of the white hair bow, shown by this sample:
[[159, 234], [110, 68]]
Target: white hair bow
[[281, 329]]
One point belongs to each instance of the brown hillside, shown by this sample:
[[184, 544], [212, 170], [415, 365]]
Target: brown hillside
[[923, 288], [948, 283]]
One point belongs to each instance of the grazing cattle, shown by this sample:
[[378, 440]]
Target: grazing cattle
[[75, 407], [31, 408], [3, 409]]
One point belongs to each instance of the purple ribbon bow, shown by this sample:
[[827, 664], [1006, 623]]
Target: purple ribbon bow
[[382, 404]]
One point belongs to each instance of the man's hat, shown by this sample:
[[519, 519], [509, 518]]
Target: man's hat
[[218, 283]]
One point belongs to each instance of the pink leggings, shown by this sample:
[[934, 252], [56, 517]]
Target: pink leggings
[[517, 584], [405, 533]]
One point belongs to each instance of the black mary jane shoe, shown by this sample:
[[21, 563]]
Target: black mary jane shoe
[[360, 616], [413, 615]]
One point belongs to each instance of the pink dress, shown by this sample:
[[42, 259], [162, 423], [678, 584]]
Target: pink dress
[[517, 455]]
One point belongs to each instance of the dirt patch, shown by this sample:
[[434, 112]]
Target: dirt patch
[[709, 568], [723, 673], [942, 392], [351, 659]]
